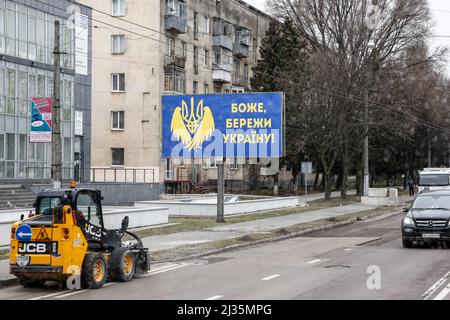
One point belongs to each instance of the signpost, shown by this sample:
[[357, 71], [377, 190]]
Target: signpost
[[306, 169], [223, 126]]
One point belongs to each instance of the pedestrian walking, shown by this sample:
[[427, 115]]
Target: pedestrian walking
[[411, 186]]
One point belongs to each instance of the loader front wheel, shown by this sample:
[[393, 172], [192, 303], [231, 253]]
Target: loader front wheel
[[122, 264], [95, 271]]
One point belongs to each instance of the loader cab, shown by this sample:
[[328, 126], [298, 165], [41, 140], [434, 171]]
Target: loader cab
[[86, 203]]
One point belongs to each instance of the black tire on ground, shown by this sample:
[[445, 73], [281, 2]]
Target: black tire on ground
[[122, 264], [407, 244], [30, 283], [95, 271]]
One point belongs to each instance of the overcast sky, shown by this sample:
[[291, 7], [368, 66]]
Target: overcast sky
[[441, 13]]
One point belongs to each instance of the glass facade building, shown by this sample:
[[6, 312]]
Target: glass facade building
[[26, 71]]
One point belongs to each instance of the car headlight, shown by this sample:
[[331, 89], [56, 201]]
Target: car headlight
[[407, 221]]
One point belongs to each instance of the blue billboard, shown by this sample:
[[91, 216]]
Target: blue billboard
[[223, 125]]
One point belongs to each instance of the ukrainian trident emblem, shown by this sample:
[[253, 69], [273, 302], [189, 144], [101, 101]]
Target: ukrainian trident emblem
[[192, 124]]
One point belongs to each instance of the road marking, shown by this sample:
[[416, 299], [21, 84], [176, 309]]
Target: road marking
[[432, 290], [60, 295], [348, 249], [443, 293], [71, 293], [270, 277], [46, 296], [313, 261], [165, 269], [214, 298]]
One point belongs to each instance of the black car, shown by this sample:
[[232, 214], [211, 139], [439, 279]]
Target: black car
[[428, 219]]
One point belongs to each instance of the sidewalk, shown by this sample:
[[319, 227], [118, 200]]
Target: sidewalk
[[169, 241]]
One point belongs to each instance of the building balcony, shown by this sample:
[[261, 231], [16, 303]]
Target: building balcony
[[175, 60], [221, 76], [223, 41], [176, 24], [240, 81], [240, 50]]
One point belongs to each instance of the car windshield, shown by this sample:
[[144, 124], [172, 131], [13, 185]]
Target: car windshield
[[434, 180], [432, 202], [46, 205]]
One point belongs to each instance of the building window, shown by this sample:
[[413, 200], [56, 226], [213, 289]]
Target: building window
[[195, 25], [195, 87], [184, 46], [207, 26], [118, 156], [255, 49], [118, 120], [237, 68], [195, 60], [169, 169], [210, 163], [118, 44], [170, 46], [217, 90], [118, 8], [234, 164], [206, 88], [206, 64], [174, 80], [118, 82], [11, 92]]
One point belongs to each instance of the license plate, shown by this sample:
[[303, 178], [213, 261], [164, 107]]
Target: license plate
[[431, 235], [23, 261]]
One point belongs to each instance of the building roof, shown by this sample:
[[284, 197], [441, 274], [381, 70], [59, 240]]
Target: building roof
[[252, 8]]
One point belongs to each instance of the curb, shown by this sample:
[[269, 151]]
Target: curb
[[8, 282], [280, 238]]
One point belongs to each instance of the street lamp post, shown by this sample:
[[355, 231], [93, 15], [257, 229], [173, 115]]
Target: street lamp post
[[366, 130]]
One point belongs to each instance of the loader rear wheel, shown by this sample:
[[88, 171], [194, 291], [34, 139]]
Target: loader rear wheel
[[95, 271], [122, 264]]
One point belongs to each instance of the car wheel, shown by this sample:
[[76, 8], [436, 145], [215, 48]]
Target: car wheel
[[407, 244]]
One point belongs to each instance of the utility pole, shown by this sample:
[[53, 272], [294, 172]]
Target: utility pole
[[366, 146], [56, 114], [429, 147]]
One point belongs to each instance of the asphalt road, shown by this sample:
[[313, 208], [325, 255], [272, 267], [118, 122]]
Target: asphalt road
[[362, 261]]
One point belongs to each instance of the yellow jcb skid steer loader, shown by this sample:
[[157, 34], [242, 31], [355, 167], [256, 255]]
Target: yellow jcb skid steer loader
[[66, 238]]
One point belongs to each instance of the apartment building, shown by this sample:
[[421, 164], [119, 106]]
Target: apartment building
[[211, 47], [26, 71], [143, 50]]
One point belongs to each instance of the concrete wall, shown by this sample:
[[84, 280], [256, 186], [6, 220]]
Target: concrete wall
[[119, 193], [177, 208]]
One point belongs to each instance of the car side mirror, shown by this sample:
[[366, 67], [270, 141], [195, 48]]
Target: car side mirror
[[405, 210], [125, 223]]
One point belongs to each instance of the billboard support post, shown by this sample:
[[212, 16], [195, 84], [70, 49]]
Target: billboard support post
[[220, 192]]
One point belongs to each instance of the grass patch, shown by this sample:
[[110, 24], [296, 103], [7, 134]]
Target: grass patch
[[188, 250], [4, 254], [184, 224]]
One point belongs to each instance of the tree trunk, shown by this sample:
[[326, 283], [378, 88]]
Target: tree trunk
[[316, 181], [344, 173], [275, 184]]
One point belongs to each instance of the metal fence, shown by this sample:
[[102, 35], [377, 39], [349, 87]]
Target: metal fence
[[43, 174], [123, 175]]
